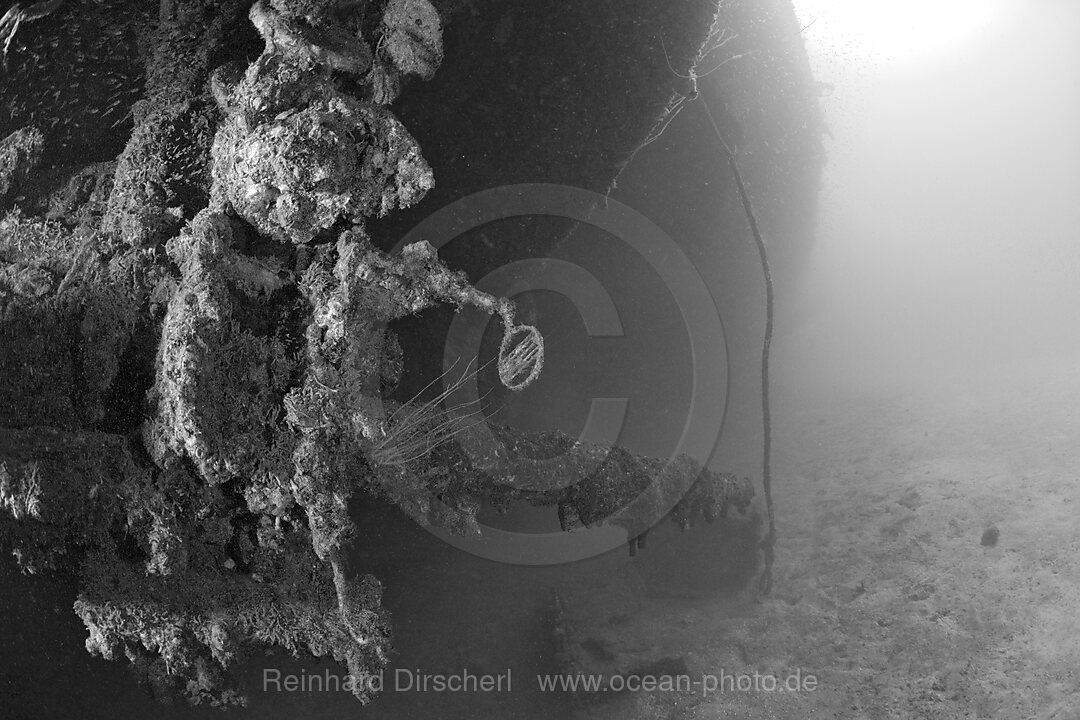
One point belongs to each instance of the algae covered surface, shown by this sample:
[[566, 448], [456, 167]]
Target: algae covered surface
[[225, 445], [198, 356]]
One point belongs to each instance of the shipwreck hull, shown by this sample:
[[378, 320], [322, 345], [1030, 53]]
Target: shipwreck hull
[[578, 110]]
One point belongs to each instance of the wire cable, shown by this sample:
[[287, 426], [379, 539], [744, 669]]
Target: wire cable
[[768, 543]]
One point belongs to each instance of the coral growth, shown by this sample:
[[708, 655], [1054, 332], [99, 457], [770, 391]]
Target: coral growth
[[196, 355], [215, 517], [20, 152], [593, 484]]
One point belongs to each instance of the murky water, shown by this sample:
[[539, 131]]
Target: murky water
[[924, 393]]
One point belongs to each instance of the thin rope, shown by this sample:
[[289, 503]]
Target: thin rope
[[768, 543]]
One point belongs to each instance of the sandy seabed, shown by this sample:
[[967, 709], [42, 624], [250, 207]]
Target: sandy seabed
[[884, 589], [884, 592]]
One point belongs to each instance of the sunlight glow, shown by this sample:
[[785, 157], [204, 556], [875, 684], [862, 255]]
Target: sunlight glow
[[884, 30]]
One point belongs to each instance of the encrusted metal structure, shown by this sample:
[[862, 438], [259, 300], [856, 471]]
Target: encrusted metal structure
[[197, 367]]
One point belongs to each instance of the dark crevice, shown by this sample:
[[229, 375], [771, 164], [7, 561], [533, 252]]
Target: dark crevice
[[124, 403]]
